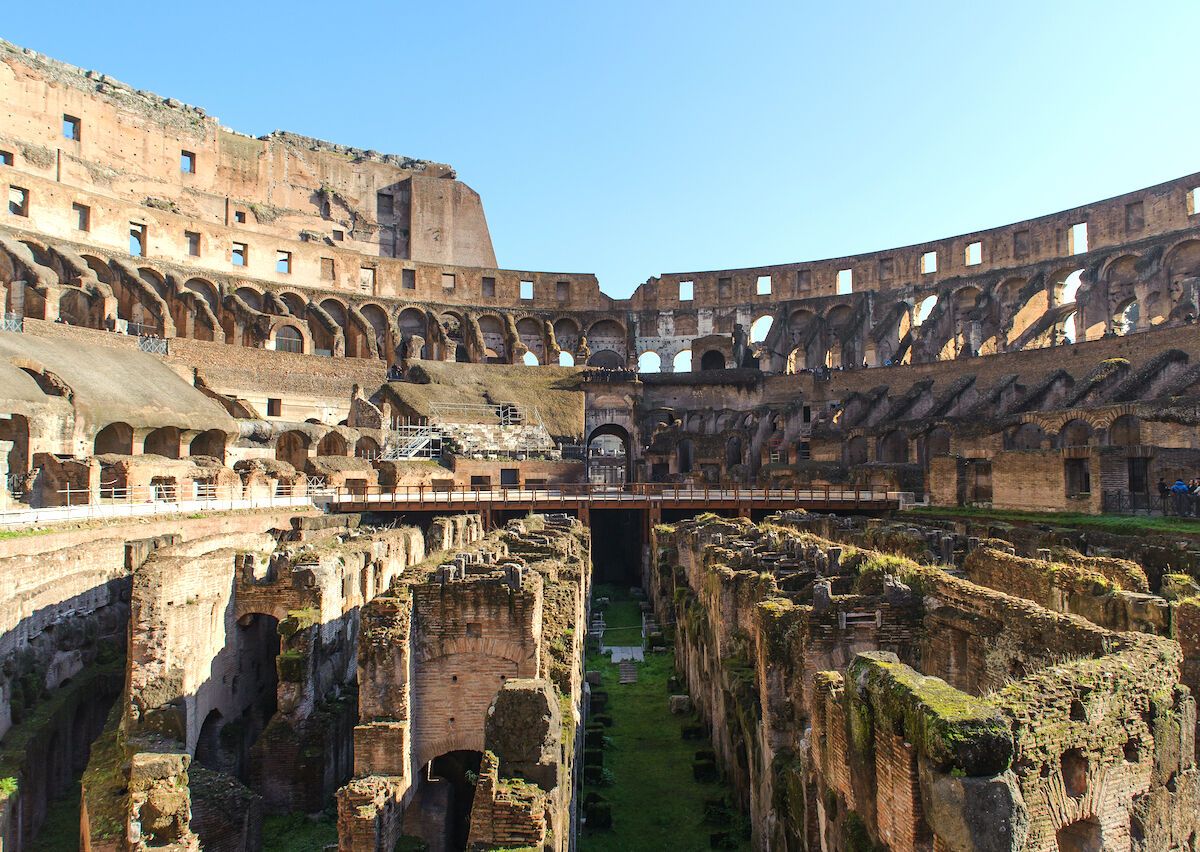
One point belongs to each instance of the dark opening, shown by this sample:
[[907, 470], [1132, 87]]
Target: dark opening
[[617, 547], [459, 770], [1074, 772], [712, 360], [1083, 836]]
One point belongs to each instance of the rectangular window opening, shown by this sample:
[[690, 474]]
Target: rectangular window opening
[[764, 285], [928, 262], [366, 279], [803, 280], [526, 290], [974, 253], [1135, 217], [193, 243], [1021, 244], [72, 128], [845, 281], [489, 286], [274, 406], [283, 262], [685, 291], [887, 268], [338, 236], [137, 239], [83, 217], [385, 204], [724, 288], [408, 279], [239, 255], [18, 201], [327, 273], [6, 158], [187, 162], [239, 216], [1077, 239], [562, 291], [448, 281]]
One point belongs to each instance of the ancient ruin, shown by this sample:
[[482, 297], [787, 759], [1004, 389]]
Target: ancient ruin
[[314, 520]]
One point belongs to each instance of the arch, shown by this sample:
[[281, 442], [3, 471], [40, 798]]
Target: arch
[[530, 360], [713, 359], [1075, 433], [491, 328], [75, 307], [1065, 286], [649, 362], [760, 328], [686, 455], [937, 443], [529, 332], [162, 442], [1027, 436], [566, 359], [566, 334], [733, 451], [893, 448], [206, 290], [114, 438], [606, 329], [208, 742], [366, 447], [682, 362], [413, 322], [210, 443], [606, 359], [332, 444], [1066, 327], [1125, 317], [296, 304], [292, 447], [1125, 431], [251, 297], [377, 319], [602, 466], [1024, 302], [289, 339], [923, 309]]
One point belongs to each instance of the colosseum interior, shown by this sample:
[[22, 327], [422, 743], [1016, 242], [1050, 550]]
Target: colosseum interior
[[317, 525]]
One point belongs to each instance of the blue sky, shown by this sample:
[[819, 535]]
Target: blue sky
[[633, 139]]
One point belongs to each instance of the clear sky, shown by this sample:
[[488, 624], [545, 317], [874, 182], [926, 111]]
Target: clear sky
[[630, 139]]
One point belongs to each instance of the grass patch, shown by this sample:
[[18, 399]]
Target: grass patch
[[298, 833], [1117, 524], [622, 618], [60, 831], [656, 802]]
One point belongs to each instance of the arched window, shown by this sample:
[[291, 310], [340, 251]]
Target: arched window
[[713, 359], [924, 309], [682, 362], [288, 339], [760, 328], [649, 362], [530, 360], [566, 359]]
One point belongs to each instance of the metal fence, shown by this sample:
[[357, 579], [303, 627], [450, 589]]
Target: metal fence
[[1121, 502], [13, 322], [153, 345]]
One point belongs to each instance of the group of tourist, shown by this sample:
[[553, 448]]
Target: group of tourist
[[1182, 498]]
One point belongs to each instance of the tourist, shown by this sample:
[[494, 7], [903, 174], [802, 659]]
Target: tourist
[[1179, 497], [1164, 491]]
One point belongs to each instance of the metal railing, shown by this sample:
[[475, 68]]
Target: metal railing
[[153, 345], [1122, 502], [13, 322]]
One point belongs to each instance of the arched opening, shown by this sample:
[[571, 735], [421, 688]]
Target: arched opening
[[682, 362], [366, 447], [1067, 289], [686, 455], [566, 335], [529, 332], [733, 452], [76, 308], [15, 428], [1125, 318], [1066, 329], [448, 788], [649, 362], [608, 456], [337, 312], [210, 443], [1125, 431], [760, 328], [413, 323], [163, 442], [1075, 433], [937, 443], [1085, 835], [258, 645], [713, 359], [289, 339], [893, 448], [115, 438], [608, 334], [377, 318], [292, 447], [566, 359], [606, 359], [923, 309], [208, 742], [492, 331], [530, 360], [333, 444], [1027, 436], [856, 450]]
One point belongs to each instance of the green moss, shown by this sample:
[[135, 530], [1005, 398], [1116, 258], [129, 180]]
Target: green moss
[[291, 666]]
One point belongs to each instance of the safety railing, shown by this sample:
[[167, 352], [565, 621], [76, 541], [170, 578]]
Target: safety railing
[[13, 322], [1122, 502], [153, 345]]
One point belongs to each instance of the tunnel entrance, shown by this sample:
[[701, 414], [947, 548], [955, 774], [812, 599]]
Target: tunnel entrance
[[224, 743], [617, 546], [448, 791]]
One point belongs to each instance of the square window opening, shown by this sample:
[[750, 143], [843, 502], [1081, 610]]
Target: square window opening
[[1021, 244], [685, 291], [845, 281], [327, 273], [72, 128], [385, 203], [338, 236], [137, 239], [1135, 217], [929, 262], [1077, 238], [408, 279], [366, 279], [764, 285], [83, 217], [239, 254], [18, 201], [562, 291], [447, 280], [527, 290], [724, 288], [239, 216], [974, 253], [283, 262], [274, 407], [6, 158], [193, 243], [187, 162], [489, 286]]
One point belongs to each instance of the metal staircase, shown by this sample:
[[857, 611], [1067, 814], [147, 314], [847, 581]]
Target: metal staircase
[[413, 442]]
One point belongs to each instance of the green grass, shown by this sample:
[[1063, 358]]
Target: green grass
[[656, 804], [298, 833], [1118, 524], [60, 831], [623, 618]]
